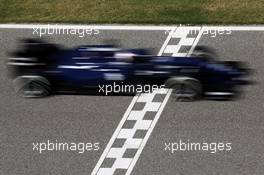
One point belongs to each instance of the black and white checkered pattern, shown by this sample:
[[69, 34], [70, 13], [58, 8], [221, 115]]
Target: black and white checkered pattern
[[132, 133], [140, 118], [181, 41]]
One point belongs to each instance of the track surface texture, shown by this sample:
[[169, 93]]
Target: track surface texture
[[83, 118]]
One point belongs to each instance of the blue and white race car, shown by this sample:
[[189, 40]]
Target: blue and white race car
[[40, 69]]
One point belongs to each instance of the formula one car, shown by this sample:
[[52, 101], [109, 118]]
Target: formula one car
[[40, 68]]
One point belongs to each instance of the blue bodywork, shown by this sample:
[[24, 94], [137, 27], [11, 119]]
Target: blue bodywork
[[90, 66]]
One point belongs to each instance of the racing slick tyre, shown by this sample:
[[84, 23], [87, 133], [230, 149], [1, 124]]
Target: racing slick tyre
[[184, 89], [32, 86]]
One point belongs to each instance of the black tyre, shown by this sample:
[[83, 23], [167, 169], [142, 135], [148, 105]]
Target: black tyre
[[33, 87], [184, 90]]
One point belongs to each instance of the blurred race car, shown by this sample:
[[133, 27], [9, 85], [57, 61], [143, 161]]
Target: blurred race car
[[40, 68]]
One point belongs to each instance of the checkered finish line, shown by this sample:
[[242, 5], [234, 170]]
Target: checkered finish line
[[182, 41], [132, 133]]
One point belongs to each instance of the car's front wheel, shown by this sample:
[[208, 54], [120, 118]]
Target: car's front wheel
[[184, 89]]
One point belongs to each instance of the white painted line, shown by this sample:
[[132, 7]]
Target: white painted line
[[235, 28], [74, 26], [129, 27]]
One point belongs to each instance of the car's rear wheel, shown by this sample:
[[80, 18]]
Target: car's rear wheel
[[32, 87]]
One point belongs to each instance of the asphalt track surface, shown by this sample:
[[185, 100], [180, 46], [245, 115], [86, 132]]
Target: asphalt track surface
[[80, 118]]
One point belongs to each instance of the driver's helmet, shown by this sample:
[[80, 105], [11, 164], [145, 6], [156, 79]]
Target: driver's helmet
[[124, 56]]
